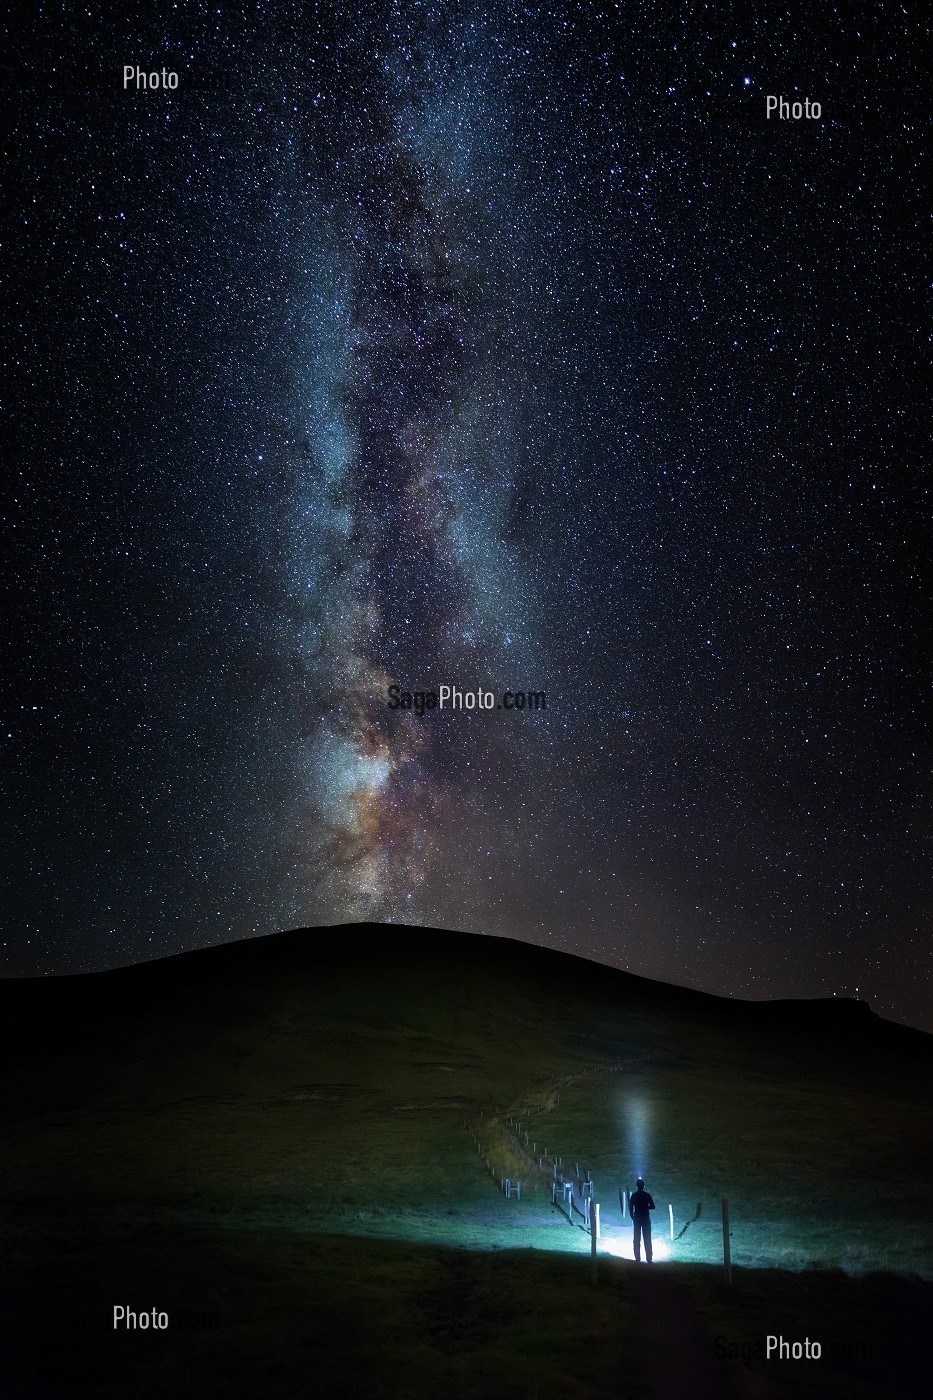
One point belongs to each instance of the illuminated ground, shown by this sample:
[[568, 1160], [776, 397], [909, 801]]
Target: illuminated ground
[[270, 1136]]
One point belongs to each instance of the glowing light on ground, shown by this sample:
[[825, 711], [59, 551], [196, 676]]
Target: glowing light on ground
[[621, 1247]]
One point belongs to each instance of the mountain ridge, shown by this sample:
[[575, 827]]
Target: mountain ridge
[[333, 950]]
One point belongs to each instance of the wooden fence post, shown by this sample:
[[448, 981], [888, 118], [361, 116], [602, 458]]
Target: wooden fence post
[[594, 1230], [670, 1211]]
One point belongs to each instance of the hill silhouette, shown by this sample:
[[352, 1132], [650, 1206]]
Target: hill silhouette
[[316, 956]]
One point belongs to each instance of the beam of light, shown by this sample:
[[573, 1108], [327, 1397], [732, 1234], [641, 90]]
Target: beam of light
[[637, 1114]]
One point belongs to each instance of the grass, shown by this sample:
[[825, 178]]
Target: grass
[[284, 1145]]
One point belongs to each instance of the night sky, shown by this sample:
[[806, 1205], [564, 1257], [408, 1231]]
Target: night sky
[[497, 346]]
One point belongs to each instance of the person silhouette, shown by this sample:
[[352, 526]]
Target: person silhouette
[[640, 1203]]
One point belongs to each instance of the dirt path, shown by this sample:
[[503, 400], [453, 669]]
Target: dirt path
[[677, 1356]]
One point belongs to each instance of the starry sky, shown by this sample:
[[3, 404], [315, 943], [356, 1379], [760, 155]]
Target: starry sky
[[493, 345]]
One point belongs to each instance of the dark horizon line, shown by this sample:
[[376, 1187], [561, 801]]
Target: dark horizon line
[[777, 1003]]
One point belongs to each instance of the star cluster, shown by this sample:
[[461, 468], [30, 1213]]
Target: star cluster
[[489, 345]]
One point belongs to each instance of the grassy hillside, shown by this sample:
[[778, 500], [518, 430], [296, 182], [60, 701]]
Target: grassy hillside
[[272, 1134]]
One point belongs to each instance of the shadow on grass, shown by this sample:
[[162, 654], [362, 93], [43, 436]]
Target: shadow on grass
[[275, 1313]]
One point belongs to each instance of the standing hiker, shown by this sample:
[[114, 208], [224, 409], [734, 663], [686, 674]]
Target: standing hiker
[[640, 1203]]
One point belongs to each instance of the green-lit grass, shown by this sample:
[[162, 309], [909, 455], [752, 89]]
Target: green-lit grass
[[332, 1122], [818, 1170], [298, 1142]]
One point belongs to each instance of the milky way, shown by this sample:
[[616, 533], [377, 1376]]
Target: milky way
[[491, 347], [403, 567]]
